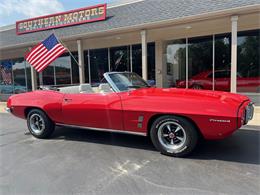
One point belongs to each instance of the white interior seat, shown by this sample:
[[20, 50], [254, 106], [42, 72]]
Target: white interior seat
[[86, 88], [70, 89], [105, 88]]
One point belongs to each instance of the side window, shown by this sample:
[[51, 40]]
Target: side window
[[228, 74], [221, 74], [210, 75]]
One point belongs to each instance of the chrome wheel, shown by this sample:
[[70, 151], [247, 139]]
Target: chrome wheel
[[171, 135], [37, 123]]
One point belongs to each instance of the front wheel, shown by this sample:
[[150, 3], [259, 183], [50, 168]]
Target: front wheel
[[173, 135], [39, 124]]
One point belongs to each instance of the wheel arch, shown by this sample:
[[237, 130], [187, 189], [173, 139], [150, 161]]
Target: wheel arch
[[154, 117], [28, 109]]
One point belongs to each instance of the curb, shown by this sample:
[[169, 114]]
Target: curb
[[250, 127]]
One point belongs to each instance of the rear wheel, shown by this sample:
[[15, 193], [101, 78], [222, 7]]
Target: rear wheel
[[196, 86], [174, 136], [39, 124]]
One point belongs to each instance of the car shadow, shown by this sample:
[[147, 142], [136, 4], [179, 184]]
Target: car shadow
[[106, 138], [243, 146]]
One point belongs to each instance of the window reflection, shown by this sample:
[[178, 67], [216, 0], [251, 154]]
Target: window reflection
[[86, 69], [28, 76], [248, 62], [137, 59], [75, 68], [200, 60], [151, 62], [19, 76], [120, 58], [6, 83], [47, 75], [222, 62], [176, 63], [98, 64], [62, 70]]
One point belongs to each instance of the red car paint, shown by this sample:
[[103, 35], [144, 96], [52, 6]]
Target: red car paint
[[204, 80], [216, 114]]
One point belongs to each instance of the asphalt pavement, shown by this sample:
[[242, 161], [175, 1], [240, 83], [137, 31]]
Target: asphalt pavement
[[76, 161]]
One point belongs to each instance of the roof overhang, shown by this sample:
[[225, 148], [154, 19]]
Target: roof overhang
[[157, 24]]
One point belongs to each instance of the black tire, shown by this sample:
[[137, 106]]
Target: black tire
[[47, 128], [186, 146]]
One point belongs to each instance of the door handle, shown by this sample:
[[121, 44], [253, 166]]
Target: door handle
[[67, 100]]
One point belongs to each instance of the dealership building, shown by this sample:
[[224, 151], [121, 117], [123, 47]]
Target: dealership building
[[202, 44]]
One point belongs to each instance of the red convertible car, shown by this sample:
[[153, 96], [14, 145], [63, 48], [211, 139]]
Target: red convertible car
[[173, 118]]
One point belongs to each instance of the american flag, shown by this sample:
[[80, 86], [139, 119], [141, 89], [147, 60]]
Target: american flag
[[45, 53]]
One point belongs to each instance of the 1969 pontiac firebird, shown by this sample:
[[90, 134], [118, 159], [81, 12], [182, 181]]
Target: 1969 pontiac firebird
[[173, 118]]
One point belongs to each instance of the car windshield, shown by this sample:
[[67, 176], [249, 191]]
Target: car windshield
[[125, 81]]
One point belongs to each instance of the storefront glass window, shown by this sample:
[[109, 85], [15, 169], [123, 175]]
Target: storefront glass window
[[176, 63], [86, 66], [200, 60], [120, 58], [248, 62], [74, 68], [47, 75], [19, 76], [28, 76], [151, 62], [222, 62], [6, 79], [98, 64], [137, 59], [63, 70]]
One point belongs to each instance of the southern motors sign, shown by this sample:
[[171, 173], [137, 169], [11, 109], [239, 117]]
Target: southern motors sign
[[73, 17]]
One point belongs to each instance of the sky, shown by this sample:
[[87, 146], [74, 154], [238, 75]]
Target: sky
[[13, 10]]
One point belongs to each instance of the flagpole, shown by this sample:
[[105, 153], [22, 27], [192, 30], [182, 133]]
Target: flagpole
[[66, 48]]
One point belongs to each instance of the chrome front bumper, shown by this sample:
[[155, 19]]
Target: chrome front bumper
[[8, 110], [249, 112]]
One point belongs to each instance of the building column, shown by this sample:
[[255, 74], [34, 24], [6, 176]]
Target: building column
[[81, 62], [160, 64], [144, 55], [233, 81], [33, 79]]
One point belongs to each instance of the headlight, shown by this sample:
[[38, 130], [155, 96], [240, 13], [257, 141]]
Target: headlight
[[249, 112]]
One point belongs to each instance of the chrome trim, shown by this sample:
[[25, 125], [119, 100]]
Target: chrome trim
[[102, 129], [8, 109], [111, 83]]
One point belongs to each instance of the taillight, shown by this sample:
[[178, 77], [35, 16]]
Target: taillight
[[9, 102]]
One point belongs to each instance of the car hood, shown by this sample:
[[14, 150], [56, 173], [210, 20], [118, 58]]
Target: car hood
[[201, 95]]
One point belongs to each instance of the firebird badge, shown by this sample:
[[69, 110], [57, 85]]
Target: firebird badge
[[219, 120]]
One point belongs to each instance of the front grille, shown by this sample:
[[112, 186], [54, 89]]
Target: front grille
[[249, 112]]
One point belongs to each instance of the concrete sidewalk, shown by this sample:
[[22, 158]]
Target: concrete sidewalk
[[2, 107], [254, 122]]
